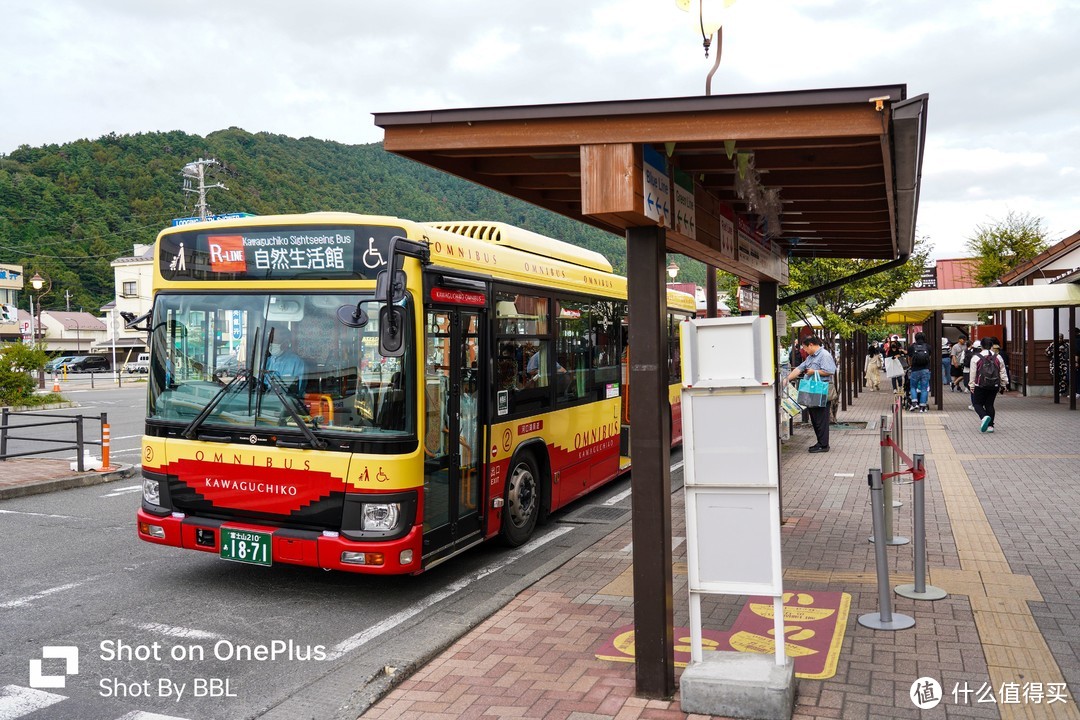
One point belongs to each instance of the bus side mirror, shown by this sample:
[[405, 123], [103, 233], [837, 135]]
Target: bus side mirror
[[392, 323]]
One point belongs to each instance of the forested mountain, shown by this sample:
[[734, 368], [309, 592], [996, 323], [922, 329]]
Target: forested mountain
[[67, 211]]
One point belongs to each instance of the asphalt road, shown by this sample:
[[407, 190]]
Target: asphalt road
[[237, 641]]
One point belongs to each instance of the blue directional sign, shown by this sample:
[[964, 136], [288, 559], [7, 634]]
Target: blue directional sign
[[657, 186], [222, 216]]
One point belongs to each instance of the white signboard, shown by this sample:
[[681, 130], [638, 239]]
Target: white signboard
[[685, 210], [731, 478], [727, 237]]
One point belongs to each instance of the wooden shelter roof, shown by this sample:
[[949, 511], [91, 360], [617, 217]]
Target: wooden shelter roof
[[846, 162]]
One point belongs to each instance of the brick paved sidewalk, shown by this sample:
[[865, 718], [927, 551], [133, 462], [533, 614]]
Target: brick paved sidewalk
[[1001, 539], [34, 475]]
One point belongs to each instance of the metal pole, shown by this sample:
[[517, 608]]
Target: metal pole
[[919, 590], [116, 370], [79, 442], [887, 466], [4, 432], [884, 619]]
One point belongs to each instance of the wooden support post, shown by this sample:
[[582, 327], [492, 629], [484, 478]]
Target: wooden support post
[[650, 446]]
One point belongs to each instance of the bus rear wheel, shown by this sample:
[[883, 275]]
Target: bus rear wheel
[[522, 504]]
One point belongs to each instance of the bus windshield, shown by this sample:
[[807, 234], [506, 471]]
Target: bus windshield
[[275, 360]]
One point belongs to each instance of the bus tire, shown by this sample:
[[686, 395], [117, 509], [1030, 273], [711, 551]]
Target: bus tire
[[521, 506]]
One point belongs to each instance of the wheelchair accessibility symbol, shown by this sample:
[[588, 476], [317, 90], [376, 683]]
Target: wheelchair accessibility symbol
[[372, 258]]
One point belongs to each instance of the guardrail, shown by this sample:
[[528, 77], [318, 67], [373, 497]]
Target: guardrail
[[79, 444]]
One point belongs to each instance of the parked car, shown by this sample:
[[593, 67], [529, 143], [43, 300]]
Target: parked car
[[53, 364], [139, 365], [85, 363]]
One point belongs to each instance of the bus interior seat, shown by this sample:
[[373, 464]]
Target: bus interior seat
[[392, 409]]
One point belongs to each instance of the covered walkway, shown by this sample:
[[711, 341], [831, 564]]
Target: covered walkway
[[923, 306]]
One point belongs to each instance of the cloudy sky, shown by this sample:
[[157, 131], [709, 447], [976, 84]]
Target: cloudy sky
[[1002, 75]]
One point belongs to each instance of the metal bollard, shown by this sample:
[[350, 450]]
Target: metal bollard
[[79, 446], [919, 590], [888, 454], [884, 618]]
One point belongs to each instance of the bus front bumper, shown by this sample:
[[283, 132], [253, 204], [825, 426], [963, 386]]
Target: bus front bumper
[[327, 550]]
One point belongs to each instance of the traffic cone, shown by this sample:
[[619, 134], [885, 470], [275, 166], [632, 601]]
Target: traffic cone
[[55, 383]]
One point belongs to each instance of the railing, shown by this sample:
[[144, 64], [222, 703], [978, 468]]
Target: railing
[[79, 444]]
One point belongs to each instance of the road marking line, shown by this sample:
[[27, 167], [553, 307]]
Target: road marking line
[[16, 701], [20, 512], [362, 638], [176, 631], [24, 601], [123, 491], [615, 499]]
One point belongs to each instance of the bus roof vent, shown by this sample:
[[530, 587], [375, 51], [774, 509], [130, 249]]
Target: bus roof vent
[[526, 241]]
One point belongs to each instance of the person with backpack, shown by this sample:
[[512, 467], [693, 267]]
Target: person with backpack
[[919, 356], [988, 378]]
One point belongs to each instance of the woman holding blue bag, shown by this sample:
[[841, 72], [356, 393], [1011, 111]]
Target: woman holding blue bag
[[816, 371]]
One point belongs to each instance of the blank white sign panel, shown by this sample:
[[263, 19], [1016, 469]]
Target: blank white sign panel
[[734, 536], [729, 443]]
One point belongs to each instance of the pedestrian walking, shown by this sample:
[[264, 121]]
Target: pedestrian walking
[[987, 380], [946, 361], [894, 366], [818, 360], [956, 356], [874, 367], [919, 356]]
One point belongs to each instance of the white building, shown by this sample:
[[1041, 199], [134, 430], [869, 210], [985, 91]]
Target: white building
[[132, 278]]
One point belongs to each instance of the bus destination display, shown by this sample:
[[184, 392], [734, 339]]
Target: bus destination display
[[279, 254]]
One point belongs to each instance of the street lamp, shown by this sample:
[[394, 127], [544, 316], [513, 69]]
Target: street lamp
[[672, 270], [38, 282]]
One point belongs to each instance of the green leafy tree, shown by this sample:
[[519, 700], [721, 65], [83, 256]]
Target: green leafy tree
[[1002, 245], [855, 305], [17, 363]]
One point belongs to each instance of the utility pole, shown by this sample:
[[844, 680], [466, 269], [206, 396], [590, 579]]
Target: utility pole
[[195, 182], [67, 299]]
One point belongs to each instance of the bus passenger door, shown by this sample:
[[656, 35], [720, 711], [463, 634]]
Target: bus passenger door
[[452, 426]]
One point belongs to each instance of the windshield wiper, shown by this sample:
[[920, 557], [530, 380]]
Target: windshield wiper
[[272, 379], [193, 426]]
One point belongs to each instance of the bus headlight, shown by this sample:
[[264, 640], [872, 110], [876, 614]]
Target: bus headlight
[[381, 517], [151, 491]]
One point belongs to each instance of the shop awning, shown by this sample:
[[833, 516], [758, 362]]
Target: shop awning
[[917, 305]]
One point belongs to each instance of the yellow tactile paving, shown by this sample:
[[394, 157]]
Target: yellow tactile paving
[[1015, 649]]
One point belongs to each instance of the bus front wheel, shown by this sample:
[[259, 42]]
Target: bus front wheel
[[522, 505]]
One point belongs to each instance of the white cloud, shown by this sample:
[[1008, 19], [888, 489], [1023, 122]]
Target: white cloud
[[1001, 75]]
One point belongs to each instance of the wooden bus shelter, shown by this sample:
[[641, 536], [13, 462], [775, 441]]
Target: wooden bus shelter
[[836, 171]]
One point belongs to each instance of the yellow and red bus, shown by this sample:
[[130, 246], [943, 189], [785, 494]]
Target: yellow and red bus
[[372, 394]]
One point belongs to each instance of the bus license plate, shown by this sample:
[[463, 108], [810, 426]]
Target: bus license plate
[[245, 546]]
